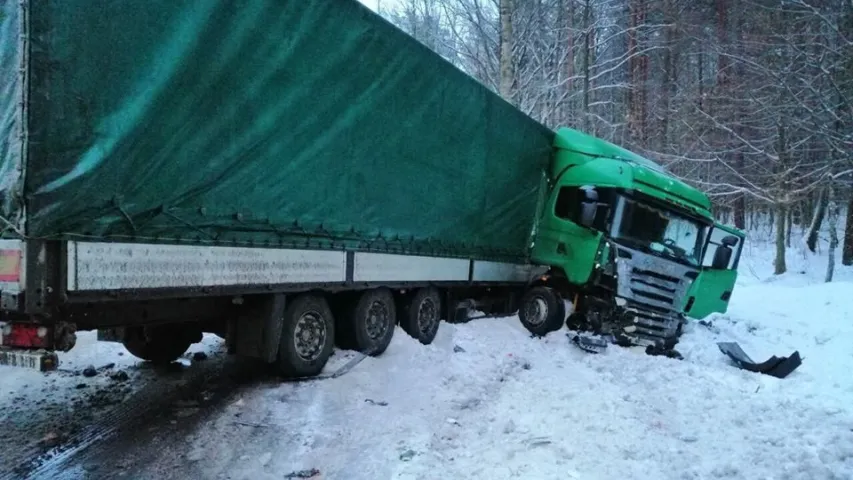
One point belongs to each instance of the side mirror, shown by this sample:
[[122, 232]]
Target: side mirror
[[589, 206], [722, 256], [730, 240], [589, 212]]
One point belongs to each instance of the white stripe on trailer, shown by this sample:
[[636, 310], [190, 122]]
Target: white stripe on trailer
[[384, 267], [502, 272], [114, 266]]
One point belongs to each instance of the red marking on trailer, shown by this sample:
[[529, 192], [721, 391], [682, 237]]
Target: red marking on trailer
[[10, 265]]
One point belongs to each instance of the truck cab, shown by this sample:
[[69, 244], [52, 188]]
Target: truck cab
[[635, 249]]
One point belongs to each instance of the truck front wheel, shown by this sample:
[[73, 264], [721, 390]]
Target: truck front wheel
[[159, 344], [373, 321], [307, 337], [541, 311]]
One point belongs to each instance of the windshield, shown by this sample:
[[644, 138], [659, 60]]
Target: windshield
[[653, 229]]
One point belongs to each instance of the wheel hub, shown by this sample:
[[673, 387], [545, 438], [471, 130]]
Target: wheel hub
[[536, 311], [377, 320], [426, 316], [309, 336]]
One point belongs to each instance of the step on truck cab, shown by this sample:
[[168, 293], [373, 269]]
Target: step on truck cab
[[634, 248]]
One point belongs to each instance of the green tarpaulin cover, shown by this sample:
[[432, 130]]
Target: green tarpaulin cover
[[255, 122]]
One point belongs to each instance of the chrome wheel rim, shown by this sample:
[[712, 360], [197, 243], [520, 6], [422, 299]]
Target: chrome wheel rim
[[536, 311], [427, 316], [376, 322], [309, 336]]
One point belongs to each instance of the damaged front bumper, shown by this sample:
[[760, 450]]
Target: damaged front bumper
[[650, 292]]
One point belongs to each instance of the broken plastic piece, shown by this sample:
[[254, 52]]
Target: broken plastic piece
[[664, 352], [779, 367], [589, 343]]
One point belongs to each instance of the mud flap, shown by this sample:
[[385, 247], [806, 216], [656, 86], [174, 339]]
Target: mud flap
[[779, 367], [256, 332], [589, 343]]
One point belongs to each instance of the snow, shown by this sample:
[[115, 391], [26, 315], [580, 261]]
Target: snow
[[487, 401], [41, 411], [61, 386]]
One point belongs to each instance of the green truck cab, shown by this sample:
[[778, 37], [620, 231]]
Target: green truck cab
[[634, 248]]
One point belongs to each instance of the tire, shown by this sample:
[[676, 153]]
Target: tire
[[307, 337], [160, 345], [422, 315], [541, 311], [373, 321]]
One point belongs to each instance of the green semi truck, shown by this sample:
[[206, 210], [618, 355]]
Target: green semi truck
[[635, 248], [294, 175]]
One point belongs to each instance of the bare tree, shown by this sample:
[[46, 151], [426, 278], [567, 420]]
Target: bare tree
[[748, 100]]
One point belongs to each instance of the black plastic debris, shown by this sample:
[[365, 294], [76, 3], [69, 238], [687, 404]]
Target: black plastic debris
[[655, 350], [779, 367], [589, 343], [310, 473]]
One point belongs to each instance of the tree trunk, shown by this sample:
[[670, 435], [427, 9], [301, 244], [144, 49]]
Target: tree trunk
[[637, 73], [587, 64], [669, 87], [847, 251], [771, 221], [833, 232], [790, 224], [506, 66], [740, 211], [817, 221], [722, 7], [781, 217]]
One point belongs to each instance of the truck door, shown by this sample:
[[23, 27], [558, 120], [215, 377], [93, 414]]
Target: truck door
[[712, 289]]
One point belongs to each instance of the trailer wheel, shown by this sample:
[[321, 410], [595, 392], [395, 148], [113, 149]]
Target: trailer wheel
[[422, 315], [541, 311], [373, 321], [307, 337], [161, 344]]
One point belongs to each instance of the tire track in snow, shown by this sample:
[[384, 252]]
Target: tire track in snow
[[130, 416]]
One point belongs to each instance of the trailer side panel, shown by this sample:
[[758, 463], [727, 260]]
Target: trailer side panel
[[112, 266]]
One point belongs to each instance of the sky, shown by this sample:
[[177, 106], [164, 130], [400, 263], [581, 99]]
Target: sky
[[370, 3]]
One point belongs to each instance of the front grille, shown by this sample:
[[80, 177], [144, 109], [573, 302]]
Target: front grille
[[653, 289]]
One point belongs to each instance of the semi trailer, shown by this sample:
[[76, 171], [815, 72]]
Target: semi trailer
[[293, 176]]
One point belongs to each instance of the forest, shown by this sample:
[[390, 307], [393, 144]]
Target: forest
[[749, 100]]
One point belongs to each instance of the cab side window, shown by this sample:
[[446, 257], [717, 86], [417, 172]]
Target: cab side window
[[567, 206]]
